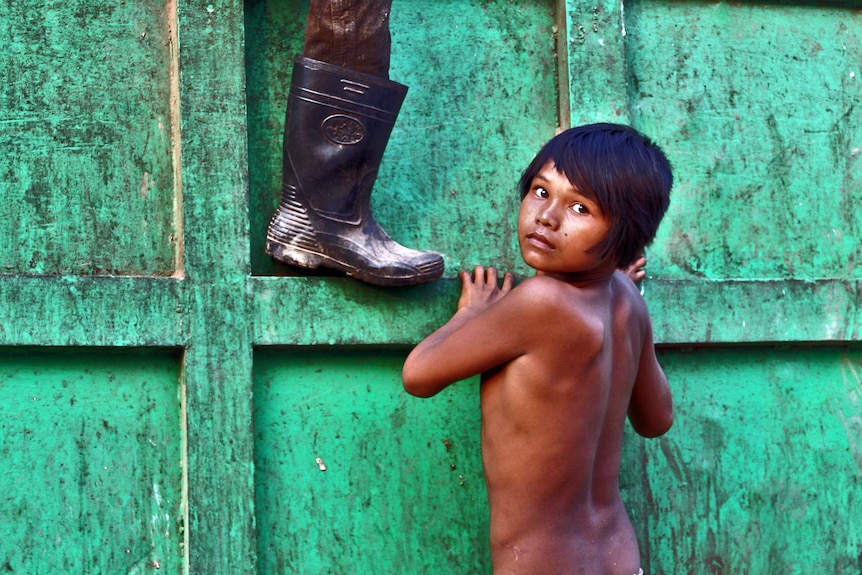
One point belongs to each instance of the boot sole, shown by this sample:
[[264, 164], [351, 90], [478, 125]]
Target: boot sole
[[297, 256]]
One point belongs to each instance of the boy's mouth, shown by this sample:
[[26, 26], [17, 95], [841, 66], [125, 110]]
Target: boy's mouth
[[539, 240]]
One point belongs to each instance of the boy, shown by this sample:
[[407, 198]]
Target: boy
[[565, 356]]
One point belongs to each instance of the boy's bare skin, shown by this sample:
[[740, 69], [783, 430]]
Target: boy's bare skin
[[565, 356]]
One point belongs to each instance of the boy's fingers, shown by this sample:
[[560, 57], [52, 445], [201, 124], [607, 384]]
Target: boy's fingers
[[491, 276], [508, 280], [479, 274], [482, 276]]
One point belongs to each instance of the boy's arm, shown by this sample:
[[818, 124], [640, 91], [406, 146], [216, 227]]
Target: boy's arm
[[472, 341], [650, 407]]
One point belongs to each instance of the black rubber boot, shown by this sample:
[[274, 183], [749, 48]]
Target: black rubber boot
[[338, 124]]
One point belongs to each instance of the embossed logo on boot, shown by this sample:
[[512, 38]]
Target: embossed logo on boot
[[343, 129]]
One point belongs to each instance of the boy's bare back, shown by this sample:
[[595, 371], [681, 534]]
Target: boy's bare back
[[553, 422], [553, 415]]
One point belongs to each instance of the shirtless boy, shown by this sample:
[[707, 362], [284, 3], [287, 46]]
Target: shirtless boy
[[564, 357]]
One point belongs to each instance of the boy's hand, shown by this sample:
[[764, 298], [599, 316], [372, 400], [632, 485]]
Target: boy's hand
[[481, 290], [635, 270]]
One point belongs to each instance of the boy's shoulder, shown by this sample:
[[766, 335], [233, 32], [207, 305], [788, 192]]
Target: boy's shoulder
[[554, 314], [626, 290], [548, 297], [546, 287]]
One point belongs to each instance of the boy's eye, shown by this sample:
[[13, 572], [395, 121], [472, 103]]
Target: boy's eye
[[541, 192], [579, 208]]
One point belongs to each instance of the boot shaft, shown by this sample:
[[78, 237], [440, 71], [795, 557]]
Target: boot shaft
[[338, 124], [337, 127]]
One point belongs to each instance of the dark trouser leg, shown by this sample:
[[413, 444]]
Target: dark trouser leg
[[350, 33]]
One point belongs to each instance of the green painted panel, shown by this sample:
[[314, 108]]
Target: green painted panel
[[217, 359], [87, 171], [305, 311], [91, 311], [699, 311], [482, 100], [761, 472], [403, 490], [217, 375], [596, 61], [760, 109], [92, 450]]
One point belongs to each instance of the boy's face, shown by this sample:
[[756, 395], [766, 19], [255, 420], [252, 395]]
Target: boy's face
[[559, 227]]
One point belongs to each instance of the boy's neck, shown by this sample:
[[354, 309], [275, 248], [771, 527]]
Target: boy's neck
[[589, 278]]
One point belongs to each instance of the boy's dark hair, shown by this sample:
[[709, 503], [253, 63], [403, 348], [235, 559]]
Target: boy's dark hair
[[627, 174]]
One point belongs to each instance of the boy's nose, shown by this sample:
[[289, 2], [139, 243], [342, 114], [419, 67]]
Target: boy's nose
[[547, 218]]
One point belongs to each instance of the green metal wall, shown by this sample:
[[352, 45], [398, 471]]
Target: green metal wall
[[166, 390], [92, 476]]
